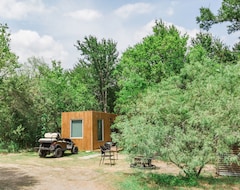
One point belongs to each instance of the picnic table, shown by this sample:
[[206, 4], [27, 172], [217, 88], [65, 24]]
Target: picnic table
[[142, 162]]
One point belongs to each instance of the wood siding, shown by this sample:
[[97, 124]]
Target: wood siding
[[224, 169], [89, 141], [107, 121]]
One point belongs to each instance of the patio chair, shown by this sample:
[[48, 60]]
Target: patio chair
[[108, 145], [106, 153], [113, 147]]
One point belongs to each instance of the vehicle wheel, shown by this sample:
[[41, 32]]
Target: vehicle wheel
[[75, 150], [58, 153], [42, 154]]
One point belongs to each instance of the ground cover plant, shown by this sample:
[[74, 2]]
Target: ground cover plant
[[153, 181]]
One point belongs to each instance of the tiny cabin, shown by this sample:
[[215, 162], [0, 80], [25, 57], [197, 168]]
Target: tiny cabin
[[87, 129]]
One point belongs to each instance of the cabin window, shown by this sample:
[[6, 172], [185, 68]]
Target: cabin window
[[100, 130], [76, 128]]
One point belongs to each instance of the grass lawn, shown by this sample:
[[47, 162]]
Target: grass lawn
[[153, 181]]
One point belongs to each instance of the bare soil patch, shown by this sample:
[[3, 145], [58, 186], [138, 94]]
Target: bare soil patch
[[29, 172]]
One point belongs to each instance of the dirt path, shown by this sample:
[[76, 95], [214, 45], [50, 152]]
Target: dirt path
[[69, 172], [18, 172]]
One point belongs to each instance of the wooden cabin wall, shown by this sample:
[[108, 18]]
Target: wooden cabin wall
[[89, 118], [84, 143], [108, 119]]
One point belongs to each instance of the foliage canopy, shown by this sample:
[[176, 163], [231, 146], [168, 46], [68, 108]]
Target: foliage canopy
[[98, 61], [228, 12], [158, 56], [185, 118]]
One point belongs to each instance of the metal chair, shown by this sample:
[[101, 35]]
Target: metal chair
[[113, 147], [106, 153]]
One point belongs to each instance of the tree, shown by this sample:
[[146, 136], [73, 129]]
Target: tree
[[236, 50], [33, 100], [188, 119], [8, 60], [84, 98], [19, 118], [215, 48], [98, 60], [158, 56], [8, 66], [228, 12], [59, 92]]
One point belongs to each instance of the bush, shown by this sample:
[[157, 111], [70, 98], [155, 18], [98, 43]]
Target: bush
[[9, 147]]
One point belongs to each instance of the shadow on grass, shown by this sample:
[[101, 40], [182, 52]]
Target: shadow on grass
[[12, 178]]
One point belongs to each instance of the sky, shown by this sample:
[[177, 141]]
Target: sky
[[50, 29]]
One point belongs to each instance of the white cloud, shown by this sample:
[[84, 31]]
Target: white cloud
[[26, 44], [147, 30], [144, 31], [137, 8], [13, 9], [85, 14], [170, 11], [182, 30]]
